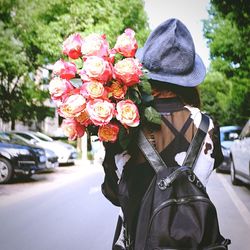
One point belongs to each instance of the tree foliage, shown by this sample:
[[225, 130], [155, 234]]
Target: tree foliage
[[49, 22], [32, 32], [227, 31]]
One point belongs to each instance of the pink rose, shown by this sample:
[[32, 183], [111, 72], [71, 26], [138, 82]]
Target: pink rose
[[65, 70], [128, 71], [92, 89], [72, 106], [95, 45], [72, 129], [108, 133], [100, 111], [127, 113], [126, 43], [96, 68], [72, 46], [59, 87]]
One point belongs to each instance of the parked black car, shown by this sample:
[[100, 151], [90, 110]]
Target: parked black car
[[52, 158], [240, 154], [227, 135], [16, 158]]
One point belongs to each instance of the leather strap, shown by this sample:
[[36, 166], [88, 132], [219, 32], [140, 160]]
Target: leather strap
[[193, 151], [150, 153], [196, 144]]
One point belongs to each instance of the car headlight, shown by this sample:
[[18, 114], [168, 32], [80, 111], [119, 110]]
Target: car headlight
[[39, 151], [47, 153], [24, 151]]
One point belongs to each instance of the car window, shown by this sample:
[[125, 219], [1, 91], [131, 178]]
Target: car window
[[43, 137], [246, 130], [28, 137], [11, 138], [230, 135], [4, 137]]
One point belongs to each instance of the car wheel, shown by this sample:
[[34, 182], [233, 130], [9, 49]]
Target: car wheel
[[6, 171], [232, 173]]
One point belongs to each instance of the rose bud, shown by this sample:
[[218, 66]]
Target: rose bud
[[72, 46], [65, 70], [128, 71], [72, 106], [95, 45], [100, 111], [72, 129], [127, 113], [108, 133], [59, 87], [126, 43]]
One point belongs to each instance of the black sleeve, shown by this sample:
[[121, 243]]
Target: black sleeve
[[217, 153], [110, 184]]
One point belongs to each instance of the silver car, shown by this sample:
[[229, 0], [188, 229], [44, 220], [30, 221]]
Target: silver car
[[240, 153], [65, 152]]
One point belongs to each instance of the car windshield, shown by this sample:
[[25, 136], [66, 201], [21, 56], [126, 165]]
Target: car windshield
[[230, 135], [42, 137], [11, 138]]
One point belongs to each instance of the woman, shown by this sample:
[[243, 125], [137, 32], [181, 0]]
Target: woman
[[174, 70]]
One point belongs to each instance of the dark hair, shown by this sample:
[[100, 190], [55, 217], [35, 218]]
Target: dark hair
[[189, 95]]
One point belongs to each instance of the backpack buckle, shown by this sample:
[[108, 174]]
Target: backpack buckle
[[163, 184]]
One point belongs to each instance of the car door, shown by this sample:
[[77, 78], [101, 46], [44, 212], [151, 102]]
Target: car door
[[242, 152]]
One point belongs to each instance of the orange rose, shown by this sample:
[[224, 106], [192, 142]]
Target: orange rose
[[108, 133], [83, 118], [118, 90]]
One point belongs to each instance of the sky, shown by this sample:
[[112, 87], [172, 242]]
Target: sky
[[190, 12]]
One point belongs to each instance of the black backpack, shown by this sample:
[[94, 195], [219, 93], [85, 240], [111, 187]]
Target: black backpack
[[176, 212]]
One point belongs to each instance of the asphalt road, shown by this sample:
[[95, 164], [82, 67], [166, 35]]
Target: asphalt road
[[65, 210]]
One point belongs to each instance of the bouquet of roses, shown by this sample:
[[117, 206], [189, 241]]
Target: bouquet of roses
[[99, 90]]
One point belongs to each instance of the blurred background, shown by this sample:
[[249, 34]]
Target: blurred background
[[33, 146]]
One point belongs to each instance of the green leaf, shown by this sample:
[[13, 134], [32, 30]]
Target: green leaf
[[76, 82], [145, 87], [118, 57], [134, 95], [147, 98], [152, 116], [78, 62], [124, 138]]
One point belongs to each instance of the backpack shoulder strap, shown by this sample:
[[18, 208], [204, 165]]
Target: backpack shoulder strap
[[150, 152], [197, 142], [154, 158]]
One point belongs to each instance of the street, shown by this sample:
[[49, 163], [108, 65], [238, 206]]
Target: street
[[65, 210]]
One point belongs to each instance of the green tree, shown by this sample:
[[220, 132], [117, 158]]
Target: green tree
[[16, 102], [47, 23], [227, 31], [32, 33]]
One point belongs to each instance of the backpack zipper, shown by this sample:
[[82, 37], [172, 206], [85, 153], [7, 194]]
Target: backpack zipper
[[178, 202]]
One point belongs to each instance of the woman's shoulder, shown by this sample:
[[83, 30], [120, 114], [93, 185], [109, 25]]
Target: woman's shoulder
[[196, 115]]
